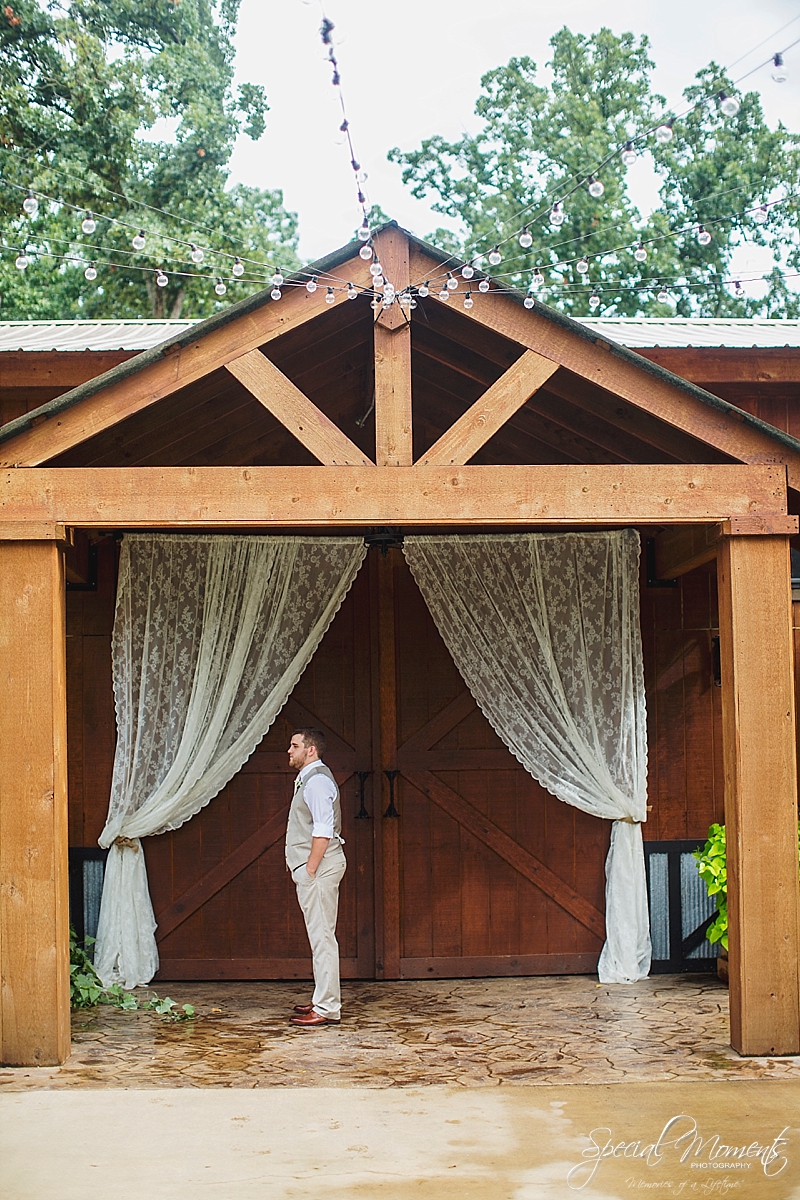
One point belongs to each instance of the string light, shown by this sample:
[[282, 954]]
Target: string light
[[594, 300], [237, 269], [664, 133], [525, 239], [162, 279], [494, 257], [468, 301], [538, 279], [377, 281], [484, 285], [728, 105], [197, 255], [583, 266], [738, 290], [628, 154], [366, 252], [351, 292], [311, 286], [91, 273], [529, 300], [557, 215], [330, 298], [703, 236], [444, 294], [779, 73], [452, 282], [467, 271], [375, 268], [138, 241], [596, 187], [88, 224], [21, 262], [220, 288], [663, 295], [424, 290], [277, 279], [276, 293], [640, 253], [326, 33], [761, 214]]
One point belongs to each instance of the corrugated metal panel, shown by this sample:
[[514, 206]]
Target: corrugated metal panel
[[640, 332], [636, 332], [659, 906], [87, 335], [696, 906]]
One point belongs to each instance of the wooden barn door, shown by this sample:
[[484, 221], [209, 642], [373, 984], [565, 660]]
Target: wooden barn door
[[487, 873], [225, 905]]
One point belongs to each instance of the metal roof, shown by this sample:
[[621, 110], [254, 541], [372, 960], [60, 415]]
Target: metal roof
[[87, 335], [696, 331], [629, 331]]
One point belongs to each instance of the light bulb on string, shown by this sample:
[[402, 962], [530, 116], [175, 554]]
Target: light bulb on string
[[582, 267], [628, 155], [703, 236], [330, 297], [88, 224], [444, 294], [452, 282], [375, 303], [375, 268], [389, 300], [529, 300], [738, 290], [275, 294], [90, 273], [484, 285], [311, 286], [138, 242], [388, 289], [525, 239], [557, 215], [196, 254], [640, 253], [377, 281], [237, 270], [494, 256], [728, 105], [161, 279], [30, 205], [760, 214], [412, 303], [364, 233], [779, 72], [351, 292], [596, 187], [468, 301], [664, 132], [467, 271], [404, 300], [663, 295], [21, 262], [537, 279], [220, 287], [366, 252], [424, 290], [277, 279], [594, 300]]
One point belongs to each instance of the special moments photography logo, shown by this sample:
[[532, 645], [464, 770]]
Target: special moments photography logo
[[681, 1143]]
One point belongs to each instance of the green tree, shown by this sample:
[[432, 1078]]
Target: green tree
[[82, 86], [537, 143]]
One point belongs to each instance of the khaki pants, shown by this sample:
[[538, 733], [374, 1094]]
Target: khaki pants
[[319, 901]]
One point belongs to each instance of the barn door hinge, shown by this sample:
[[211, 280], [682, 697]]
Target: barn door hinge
[[362, 814], [391, 811]]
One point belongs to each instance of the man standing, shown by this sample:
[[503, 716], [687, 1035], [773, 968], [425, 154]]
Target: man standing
[[316, 860]]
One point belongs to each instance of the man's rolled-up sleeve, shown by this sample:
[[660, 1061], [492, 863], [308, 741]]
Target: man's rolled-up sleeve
[[319, 795]]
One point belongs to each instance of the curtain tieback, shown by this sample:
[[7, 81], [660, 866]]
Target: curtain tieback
[[131, 843], [628, 820]]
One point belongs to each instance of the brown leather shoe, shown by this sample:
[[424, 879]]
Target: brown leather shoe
[[303, 1008], [312, 1020]]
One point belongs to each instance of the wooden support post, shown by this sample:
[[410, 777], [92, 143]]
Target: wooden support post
[[758, 715], [393, 425], [388, 912], [34, 904]]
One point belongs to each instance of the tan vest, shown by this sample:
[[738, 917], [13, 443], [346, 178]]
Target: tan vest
[[301, 823]]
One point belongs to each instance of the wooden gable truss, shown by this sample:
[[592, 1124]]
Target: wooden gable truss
[[545, 427]]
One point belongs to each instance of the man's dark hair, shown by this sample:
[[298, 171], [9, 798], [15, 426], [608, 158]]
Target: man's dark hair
[[313, 737]]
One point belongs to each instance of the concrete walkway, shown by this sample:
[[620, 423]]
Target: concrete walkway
[[529, 1143]]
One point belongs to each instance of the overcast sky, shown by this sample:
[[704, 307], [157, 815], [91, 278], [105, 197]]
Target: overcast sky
[[413, 70]]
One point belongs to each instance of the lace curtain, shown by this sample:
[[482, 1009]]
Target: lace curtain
[[544, 629], [211, 634]]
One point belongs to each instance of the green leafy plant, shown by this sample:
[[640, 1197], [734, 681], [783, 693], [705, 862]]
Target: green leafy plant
[[87, 991], [713, 870]]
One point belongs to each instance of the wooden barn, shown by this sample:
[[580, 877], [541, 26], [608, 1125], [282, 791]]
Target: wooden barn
[[303, 414]]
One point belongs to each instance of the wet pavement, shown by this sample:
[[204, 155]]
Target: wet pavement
[[469, 1033]]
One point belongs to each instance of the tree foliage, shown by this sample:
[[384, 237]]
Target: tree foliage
[[82, 86], [539, 141]]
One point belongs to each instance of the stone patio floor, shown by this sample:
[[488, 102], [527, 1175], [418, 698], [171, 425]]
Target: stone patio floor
[[473, 1033]]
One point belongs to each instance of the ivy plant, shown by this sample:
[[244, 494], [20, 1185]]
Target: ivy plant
[[87, 991], [713, 870]]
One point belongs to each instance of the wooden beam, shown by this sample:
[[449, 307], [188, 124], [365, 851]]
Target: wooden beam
[[510, 851], [34, 897], [392, 350], [259, 497], [56, 370], [684, 547], [597, 362], [178, 367], [295, 411], [758, 723], [489, 413], [728, 364]]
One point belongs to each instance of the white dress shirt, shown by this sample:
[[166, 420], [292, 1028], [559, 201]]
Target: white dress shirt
[[319, 795]]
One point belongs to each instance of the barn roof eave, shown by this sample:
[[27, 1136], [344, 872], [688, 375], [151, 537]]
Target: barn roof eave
[[328, 264]]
